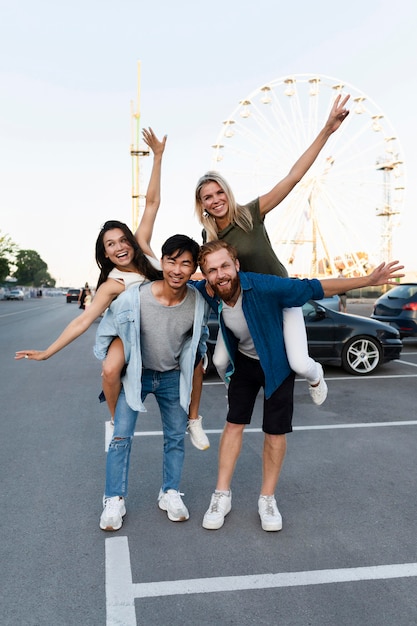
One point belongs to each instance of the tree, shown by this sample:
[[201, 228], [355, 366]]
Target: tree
[[31, 269], [4, 269], [8, 251]]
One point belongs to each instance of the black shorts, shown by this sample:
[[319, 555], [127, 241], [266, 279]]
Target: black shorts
[[247, 380]]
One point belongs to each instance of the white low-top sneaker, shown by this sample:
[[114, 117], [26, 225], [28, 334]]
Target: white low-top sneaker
[[114, 511], [271, 519], [172, 503], [198, 437], [319, 392], [220, 506]]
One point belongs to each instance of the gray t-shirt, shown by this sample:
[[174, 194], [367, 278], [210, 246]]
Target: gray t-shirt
[[164, 329]]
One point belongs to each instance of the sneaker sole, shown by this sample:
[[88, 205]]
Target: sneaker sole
[[183, 518], [199, 447], [271, 527], [196, 444], [212, 525], [215, 525], [113, 528]]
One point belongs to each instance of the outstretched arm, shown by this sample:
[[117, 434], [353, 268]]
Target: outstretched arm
[[277, 194], [384, 274], [104, 296], [153, 194]]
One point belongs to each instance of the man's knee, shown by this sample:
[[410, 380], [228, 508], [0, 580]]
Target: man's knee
[[275, 441], [234, 429]]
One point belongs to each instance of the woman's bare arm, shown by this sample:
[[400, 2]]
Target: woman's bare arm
[[104, 296], [153, 194]]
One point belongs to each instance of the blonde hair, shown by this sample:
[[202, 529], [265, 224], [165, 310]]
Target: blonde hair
[[237, 215]]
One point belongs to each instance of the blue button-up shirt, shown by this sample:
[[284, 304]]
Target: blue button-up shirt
[[263, 299]]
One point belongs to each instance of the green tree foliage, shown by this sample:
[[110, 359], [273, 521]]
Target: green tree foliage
[[32, 270], [4, 269], [8, 251]]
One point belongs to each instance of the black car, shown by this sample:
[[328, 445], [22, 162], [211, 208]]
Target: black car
[[398, 307], [73, 295], [357, 343]]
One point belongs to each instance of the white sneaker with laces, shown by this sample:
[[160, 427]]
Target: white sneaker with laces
[[220, 506], [198, 437], [114, 511], [319, 392], [271, 519], [171, 502]]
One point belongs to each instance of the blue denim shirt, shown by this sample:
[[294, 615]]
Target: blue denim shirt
[[122, 319], [263, 299]]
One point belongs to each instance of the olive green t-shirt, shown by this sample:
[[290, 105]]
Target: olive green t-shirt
[[254, 248]]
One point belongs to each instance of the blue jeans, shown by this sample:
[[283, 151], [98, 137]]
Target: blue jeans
[[165, 387]]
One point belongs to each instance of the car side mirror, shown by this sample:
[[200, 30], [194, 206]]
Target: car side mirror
[[319, 313]]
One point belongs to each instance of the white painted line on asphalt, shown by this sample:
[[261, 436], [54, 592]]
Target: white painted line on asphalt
[[121, 592], [217, 431], [368, 378], [270, 581], [34, 308], [154, 433], [120, 599], [407, 363]]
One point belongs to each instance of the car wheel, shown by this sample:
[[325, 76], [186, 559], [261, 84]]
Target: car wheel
[[361, 355]]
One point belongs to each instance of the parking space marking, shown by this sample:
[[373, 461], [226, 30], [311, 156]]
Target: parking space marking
[[218, 431], [121, 592], [407, 363]]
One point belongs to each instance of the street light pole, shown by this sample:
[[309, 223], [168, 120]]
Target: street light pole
[[136, 153]]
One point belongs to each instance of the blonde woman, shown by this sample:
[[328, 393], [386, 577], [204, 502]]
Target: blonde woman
[[243, 227]]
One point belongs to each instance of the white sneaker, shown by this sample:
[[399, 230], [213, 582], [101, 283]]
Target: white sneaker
[[319, 393], [268, 512], [198, 437], [220, 506], [114, 511], [171, 502]]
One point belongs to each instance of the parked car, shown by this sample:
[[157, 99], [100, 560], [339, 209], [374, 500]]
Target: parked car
[[358, 344], [15, 294], [331, 302], [73, 295], [398, 307]]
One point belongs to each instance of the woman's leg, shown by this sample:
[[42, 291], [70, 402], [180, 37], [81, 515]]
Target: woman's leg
[[220, 356], [296, 347], [112, 368], [295, 339], [198, 437]]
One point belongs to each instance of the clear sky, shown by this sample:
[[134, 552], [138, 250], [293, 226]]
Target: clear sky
[[68, 74]]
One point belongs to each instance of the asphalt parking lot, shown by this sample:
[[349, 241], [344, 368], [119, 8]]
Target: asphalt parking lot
[[347, 551], [347, 554]]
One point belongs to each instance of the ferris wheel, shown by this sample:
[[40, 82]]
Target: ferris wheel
[[343, 213]]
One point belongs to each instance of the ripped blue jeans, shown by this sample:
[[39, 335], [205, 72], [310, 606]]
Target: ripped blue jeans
[[165, 387]]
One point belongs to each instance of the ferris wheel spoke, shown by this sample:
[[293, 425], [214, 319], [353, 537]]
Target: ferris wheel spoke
[[347, 204]]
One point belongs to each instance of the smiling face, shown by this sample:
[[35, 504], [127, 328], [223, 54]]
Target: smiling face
[[221, 272], [214, 201], [177, 270], [118, 249]]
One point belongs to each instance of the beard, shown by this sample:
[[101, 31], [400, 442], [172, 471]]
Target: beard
[[229, 292]]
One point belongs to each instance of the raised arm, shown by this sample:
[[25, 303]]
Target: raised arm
[[384, 274], [104, 296], [281, 190], [153, 194]]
